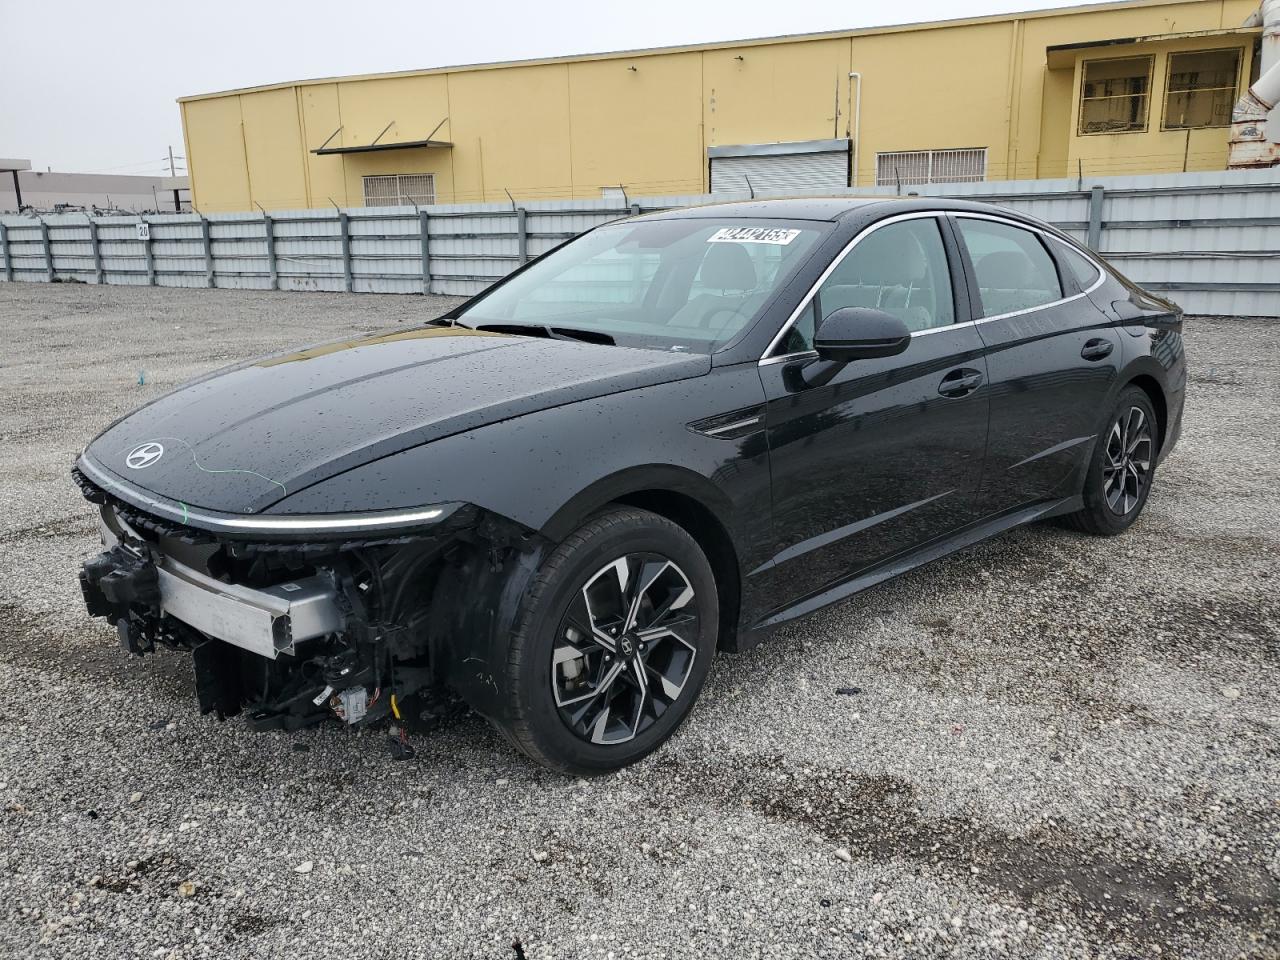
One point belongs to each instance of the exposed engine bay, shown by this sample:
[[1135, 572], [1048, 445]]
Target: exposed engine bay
[[294, 633]]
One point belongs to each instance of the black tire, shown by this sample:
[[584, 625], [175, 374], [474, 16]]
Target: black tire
[[1107, 510], [549, 654]]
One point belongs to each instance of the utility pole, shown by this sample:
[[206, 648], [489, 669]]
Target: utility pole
[[177, 198]]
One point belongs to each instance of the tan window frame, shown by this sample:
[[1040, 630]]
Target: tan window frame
[[1232, 89], [1144, 96]]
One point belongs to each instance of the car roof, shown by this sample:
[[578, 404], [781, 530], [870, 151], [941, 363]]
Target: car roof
[[830, 208], [788, 208]]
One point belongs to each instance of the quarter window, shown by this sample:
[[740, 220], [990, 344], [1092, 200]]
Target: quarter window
[[1202, 89], [1114, 95], [1081, 267], [1013, 269], [900, 269]]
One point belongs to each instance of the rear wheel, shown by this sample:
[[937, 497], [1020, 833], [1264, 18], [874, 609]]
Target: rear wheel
[[1122, 468], [614, 641]]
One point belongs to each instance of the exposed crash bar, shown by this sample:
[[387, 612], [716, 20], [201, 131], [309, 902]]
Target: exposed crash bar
[[266, 622]]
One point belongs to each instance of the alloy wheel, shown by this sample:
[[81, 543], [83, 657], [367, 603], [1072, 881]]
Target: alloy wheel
[[1127, 469], [625, 648]]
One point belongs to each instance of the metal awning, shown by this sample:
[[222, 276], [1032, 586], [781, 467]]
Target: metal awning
[[393, 145], [324, 148], [1063, 55]]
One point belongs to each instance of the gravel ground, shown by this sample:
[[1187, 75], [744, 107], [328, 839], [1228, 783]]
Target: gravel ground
[[1059, 746]]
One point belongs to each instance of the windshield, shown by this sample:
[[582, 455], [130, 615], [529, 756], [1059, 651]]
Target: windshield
[[667, 284]]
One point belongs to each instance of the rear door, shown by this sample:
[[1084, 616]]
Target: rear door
[[888, 454], [1052, 358]]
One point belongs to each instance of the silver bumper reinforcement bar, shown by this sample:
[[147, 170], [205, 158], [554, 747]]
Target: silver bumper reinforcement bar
[[267, 621]]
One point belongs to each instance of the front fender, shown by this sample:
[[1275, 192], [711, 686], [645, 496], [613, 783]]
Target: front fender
[[546, 472], [633, 480]]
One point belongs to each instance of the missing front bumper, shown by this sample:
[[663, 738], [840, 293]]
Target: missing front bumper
[[267, 621]]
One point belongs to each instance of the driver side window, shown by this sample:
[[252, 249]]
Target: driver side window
[[900, 269]]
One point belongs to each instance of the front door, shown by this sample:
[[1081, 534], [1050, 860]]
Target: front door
[[888, 455]]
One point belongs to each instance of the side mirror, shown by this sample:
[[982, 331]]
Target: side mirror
[[860, 333], [853, 333]]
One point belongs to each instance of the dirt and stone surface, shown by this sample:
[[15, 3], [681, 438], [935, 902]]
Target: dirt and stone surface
[[1049, 745]]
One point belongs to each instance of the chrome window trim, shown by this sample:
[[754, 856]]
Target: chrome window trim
[[384, 521], [1007, 221]]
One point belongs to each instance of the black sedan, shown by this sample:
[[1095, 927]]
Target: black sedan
[[664, 438]]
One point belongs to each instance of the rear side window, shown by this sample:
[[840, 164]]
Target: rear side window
[[1081, 267], [1014, 270]]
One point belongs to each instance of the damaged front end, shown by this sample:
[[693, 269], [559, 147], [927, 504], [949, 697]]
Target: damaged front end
[[294, 622]]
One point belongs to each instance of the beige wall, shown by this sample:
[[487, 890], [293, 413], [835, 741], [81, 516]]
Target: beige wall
[[960, 100], [510, 129], [785, 91], [571, 127]]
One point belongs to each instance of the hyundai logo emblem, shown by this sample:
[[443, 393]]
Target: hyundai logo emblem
[[144, 455]]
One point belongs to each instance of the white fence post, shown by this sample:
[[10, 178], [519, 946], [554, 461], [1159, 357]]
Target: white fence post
[[269, 230], [206, 239], [424, 249], [1096, 196], [96, 248], [345, 233], [48, 250], [144, 234], [522, 233]]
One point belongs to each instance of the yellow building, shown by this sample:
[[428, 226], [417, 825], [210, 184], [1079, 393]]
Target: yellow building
[[1144, 86]]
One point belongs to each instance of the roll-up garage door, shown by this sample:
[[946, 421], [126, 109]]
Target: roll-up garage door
[[806, 166]]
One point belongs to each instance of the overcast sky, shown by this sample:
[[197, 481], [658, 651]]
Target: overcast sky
[[90, 86]]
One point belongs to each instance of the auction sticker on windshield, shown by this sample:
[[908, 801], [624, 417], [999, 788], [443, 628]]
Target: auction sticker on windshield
[[774, 235]]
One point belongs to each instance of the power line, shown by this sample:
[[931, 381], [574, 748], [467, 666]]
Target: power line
[[156, 163]]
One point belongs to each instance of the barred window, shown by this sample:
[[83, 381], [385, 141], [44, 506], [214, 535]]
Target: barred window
[[1201, 89], [1114, 95], [915, 167], [400, 190]]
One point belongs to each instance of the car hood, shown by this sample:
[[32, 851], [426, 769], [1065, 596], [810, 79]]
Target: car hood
[[242, 439]]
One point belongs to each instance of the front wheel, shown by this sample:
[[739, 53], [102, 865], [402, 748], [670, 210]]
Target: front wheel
[[1118, 482], [613, 643]]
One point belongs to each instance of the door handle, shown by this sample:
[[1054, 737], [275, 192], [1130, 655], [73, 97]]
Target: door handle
[[1096, 349], [959, 383]]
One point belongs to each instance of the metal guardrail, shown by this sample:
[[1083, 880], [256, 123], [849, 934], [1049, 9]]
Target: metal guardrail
[[1213, 239]]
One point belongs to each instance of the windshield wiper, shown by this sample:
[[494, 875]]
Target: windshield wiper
[[586, 336], [551, 333]]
